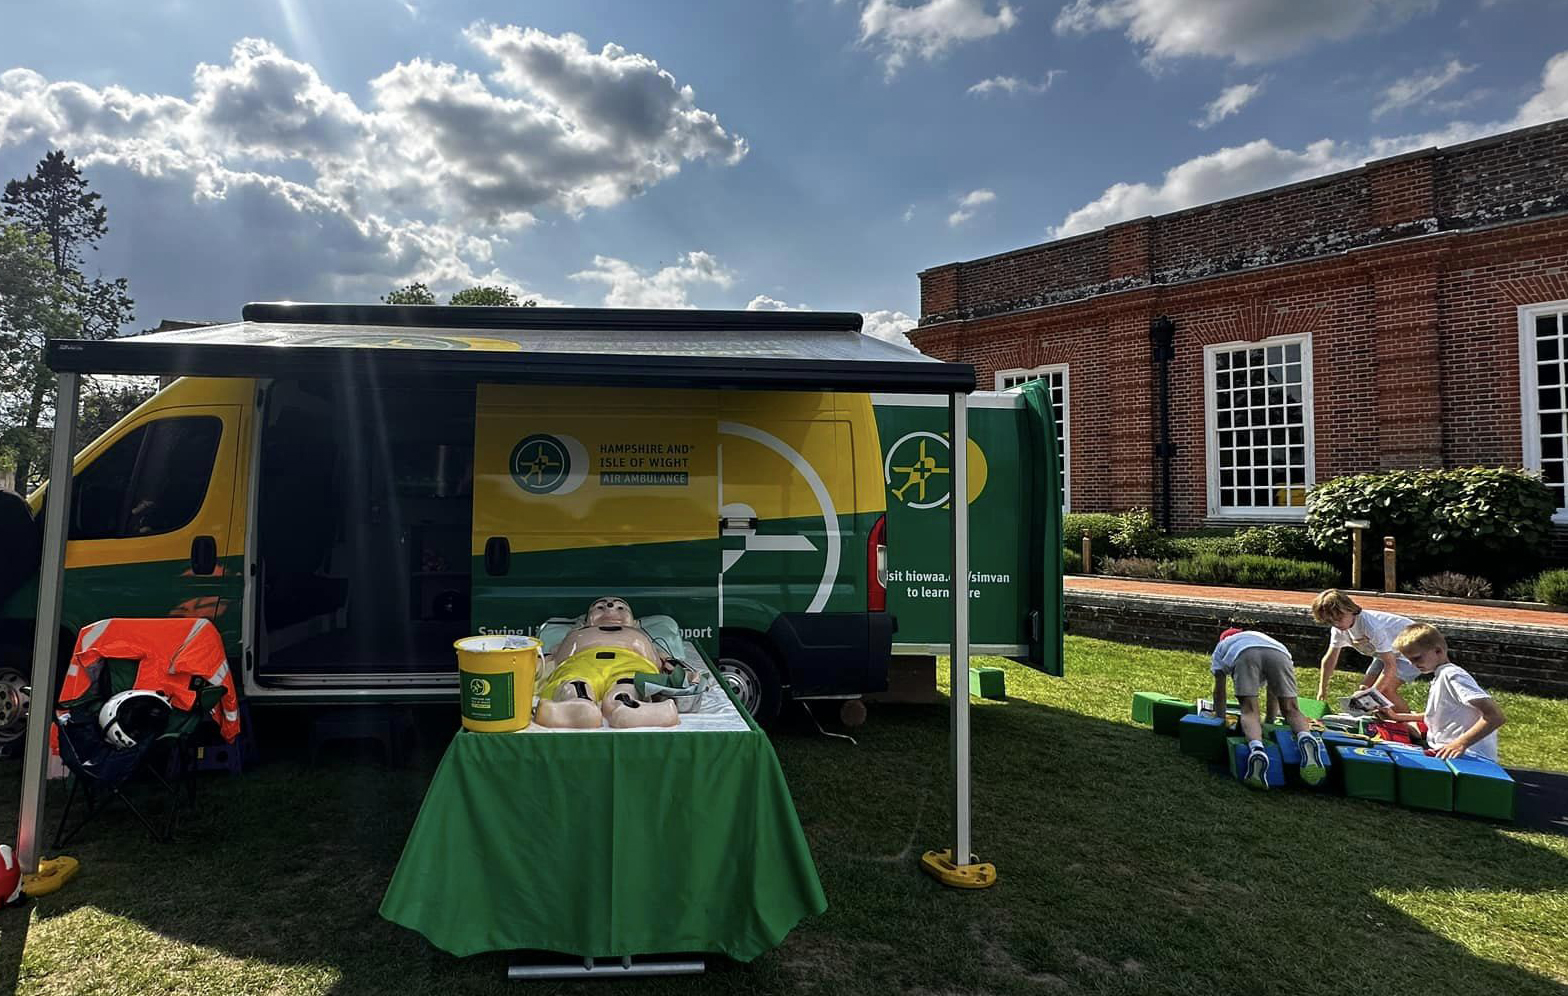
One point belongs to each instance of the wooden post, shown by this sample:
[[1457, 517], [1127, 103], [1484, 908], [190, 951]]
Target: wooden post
[[1388, 564], [1355, 559], [1088, 548]]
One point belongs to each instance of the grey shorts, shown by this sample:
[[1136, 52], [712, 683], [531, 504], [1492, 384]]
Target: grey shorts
[[1403, 668], [1257, 666]]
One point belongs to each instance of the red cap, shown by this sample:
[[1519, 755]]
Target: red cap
[[1229, 633]]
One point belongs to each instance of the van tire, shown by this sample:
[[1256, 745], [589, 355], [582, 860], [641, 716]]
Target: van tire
[[748, 667], [16, 675]]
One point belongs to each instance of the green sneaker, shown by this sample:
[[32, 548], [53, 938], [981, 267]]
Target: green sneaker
[[1313, 770], [1257, 769]]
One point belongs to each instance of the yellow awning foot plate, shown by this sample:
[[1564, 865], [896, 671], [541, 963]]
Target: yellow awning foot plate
[[939, 865], [52, 873]]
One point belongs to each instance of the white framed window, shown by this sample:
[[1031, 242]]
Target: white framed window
[[1056, 376], [1258, 409], [1543, 384]]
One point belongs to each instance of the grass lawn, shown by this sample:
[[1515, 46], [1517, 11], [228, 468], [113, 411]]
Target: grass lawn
[[1124, 867]]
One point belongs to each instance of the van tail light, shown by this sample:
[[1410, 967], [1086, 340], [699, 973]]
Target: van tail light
[[876, 567]]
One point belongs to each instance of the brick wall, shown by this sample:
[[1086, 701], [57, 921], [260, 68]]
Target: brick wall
[[1412, 321], [1507, 658]]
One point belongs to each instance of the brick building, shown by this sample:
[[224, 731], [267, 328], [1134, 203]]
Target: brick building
[[1409, 313]]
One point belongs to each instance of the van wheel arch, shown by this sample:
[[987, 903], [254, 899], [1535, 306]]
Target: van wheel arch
[[748, 663]]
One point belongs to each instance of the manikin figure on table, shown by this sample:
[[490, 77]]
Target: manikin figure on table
[[593, 674]]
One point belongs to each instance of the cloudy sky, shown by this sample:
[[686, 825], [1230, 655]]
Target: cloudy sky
[[766, 154]]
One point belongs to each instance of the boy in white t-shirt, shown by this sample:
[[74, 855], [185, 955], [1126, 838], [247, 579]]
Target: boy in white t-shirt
[[1254, 660], [1460, 717], [1370, 632]]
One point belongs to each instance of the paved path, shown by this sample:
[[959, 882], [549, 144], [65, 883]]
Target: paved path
[[1416, 607]]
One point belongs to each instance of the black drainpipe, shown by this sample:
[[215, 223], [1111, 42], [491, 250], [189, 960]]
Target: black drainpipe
[[1162, 334]]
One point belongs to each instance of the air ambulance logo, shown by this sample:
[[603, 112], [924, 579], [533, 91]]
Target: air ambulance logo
[[546, 464], [478, 687], [918, 470]]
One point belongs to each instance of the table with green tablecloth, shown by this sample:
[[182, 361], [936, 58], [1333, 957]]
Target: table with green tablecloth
[[607, 843]]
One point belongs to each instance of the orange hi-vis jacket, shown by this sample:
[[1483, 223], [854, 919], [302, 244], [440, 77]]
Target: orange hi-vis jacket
[[169, 652]]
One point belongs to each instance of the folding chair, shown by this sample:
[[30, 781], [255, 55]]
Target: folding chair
[[100, 770]]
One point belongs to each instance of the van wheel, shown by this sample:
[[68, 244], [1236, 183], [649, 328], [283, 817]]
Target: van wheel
[[753, 675], [15, 679]]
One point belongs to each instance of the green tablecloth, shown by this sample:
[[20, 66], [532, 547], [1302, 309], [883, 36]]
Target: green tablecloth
[[605, 844]]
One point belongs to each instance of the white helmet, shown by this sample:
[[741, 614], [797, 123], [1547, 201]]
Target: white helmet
[[134, 716]]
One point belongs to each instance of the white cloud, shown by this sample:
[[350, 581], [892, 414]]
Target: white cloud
[[763, 302], [1261, 164], [928, 29], [1247, 31], [434, 170], [1417, 87], [1012, 84], [967, 205], [890, 326], [626, 286], [909, 214], [1230, 100]]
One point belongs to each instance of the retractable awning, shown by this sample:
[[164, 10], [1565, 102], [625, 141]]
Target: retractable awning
[[767, 350], [749, 350]]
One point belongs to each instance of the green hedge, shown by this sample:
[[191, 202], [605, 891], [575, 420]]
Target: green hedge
[[1253, 571], [1290, 542], [1072, 561], [1552, 588], [1474, 520], [1099, 526]]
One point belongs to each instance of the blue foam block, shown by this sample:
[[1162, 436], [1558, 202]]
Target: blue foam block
[[1276, 776]]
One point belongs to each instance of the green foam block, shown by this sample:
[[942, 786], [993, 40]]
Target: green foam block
[[1143, 705], [1312, 708], [988, 682], [1167, 714], [1482, 788], [1424, 782], [1368, 773], [1203, 737]]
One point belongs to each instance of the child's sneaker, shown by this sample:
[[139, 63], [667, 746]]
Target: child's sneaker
[[1257, 775], [1313, 770]]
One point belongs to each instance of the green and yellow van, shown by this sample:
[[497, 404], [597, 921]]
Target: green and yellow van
[[342, 534]]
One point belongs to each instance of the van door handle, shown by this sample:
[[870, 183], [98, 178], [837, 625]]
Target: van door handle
[[498, 556], [204, 555]]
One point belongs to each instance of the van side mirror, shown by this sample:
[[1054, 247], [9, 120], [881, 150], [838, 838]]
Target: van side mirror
[[204, 555], [498, 556]]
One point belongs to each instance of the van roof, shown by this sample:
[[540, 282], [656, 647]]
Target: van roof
[[774, 350]]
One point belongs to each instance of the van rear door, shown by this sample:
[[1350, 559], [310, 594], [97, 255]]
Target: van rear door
[[1015, 582]]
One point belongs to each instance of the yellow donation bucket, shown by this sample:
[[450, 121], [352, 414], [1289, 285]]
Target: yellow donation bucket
[[496, 677]]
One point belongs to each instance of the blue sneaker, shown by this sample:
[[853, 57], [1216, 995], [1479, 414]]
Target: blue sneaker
[[1313, 770], [1257, 775]]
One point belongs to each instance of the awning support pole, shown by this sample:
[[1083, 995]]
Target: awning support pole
[[958, 436], [46, 636], [957, 867]]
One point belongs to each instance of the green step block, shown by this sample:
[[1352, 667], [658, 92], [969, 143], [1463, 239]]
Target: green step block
[[1203, 737], [1423, 782], [988, 682], [1312, 708], [1482, 788], [1167, 714], [1368, 773], [1143, 705]]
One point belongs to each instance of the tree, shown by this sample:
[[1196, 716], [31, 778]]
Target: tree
[[495, 297], [414, 293], [34, 306], [54, 201], [54, 206]]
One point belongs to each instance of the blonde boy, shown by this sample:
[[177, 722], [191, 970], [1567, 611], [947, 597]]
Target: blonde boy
[[1370, 632], [1460, 717]]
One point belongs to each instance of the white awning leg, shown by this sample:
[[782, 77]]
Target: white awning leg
[[46, 635]]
